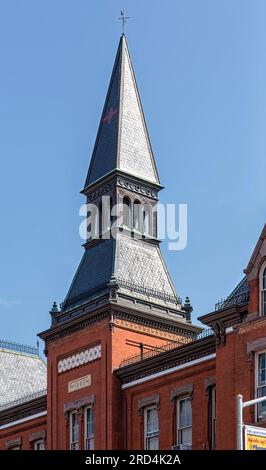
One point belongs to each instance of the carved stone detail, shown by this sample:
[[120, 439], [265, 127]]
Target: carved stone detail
[[147, 401], [101, 190], [185, 390], [78, 405], [219, 330], [79, 359], [136, 188]]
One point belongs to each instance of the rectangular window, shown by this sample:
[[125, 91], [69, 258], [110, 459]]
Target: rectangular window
[[151, 428], [184, 423], [213, 416], [89, 428], [74, 431], [39, 445], [261, 383]]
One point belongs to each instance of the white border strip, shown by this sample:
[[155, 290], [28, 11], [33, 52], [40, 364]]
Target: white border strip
[[168, 371], [23, 420]]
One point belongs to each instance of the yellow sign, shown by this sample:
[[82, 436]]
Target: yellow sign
[[77, 384], [255, 438]]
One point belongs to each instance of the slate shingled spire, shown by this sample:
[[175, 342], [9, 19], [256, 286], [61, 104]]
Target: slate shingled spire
[[122, 140], [126, 269]]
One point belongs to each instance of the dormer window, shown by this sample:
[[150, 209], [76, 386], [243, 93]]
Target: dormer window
[[263, 290]]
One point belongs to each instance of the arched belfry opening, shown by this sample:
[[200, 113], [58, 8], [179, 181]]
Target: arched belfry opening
[[127, 214]]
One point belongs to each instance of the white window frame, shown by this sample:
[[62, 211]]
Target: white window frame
[[257, 386], [39, 442], [73, 445], [88, 439], [178, 428], [262, 292], [155, 433]]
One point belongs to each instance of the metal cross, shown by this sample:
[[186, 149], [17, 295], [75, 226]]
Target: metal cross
[[124, 19]]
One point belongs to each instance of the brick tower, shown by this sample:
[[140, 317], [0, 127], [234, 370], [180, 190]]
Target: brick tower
[[122, 301]]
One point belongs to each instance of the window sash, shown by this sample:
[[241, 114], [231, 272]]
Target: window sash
[[74, 431], [185, 437], [184, 422], [89, 428], [263, 302], [264, 279], [263, 290], [152, 443], [151, 428], [261, 383], [213, 417], [39, 445]]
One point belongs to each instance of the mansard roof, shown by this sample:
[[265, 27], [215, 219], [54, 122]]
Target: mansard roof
[[22, 374], [122, 141]]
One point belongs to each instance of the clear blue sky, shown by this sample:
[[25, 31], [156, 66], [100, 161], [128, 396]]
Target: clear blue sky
[[201, 70]]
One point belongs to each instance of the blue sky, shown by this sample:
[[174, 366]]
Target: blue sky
[[201, 70]]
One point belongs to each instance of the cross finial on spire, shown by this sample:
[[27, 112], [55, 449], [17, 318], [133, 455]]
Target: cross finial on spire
[[124, 19]]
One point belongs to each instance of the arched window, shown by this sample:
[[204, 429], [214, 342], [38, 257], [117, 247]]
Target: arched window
[[100, 218], [147, 222], [127, 212], [263, 290], [106, 209], [137, 212], [93, 222]]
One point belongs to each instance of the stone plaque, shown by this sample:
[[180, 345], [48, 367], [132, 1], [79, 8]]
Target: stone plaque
[[77, 384]]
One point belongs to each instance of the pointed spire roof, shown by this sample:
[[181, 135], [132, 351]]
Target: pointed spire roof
[[122, 140]]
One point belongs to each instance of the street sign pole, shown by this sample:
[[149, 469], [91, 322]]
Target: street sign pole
[[239, 400], [240, 406]]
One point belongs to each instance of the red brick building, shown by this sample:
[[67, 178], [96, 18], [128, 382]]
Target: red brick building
[[126, 368]]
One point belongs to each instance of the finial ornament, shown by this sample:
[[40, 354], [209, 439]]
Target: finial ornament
[[54, 308], [124, 19]]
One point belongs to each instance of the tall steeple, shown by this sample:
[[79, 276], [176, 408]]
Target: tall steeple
[[123, 267], [122, 141]]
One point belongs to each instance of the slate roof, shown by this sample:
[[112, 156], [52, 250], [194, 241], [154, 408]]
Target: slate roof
[[137, 267], [94, 272], [122, 140], [237, 297], [21, 374], [241, 288]]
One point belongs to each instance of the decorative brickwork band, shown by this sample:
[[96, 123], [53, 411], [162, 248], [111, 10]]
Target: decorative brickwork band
[[79, 359]]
